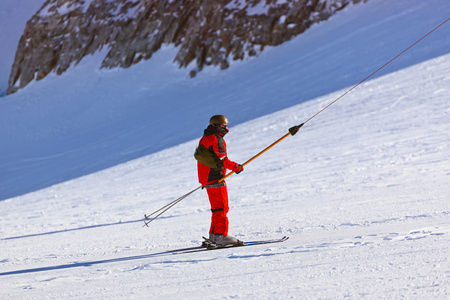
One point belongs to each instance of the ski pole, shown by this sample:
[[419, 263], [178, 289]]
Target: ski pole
[[166, 208], [292, 131]]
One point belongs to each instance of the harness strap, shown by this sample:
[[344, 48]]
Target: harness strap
[[214, 185]]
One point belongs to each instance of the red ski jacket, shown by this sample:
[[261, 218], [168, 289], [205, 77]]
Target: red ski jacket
[[213, 140]]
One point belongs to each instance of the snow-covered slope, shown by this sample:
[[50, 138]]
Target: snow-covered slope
[[362, 189], [87, 120], [362, 193]]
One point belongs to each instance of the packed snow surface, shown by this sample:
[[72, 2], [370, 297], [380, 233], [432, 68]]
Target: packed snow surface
[[86, 120], [362, 190]]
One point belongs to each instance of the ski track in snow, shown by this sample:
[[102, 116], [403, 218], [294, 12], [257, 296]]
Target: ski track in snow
[[361, 190]]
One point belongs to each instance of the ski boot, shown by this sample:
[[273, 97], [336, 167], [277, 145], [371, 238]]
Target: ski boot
[[224, 241]]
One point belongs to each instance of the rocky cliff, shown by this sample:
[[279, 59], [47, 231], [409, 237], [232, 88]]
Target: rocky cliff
[[209, 32]]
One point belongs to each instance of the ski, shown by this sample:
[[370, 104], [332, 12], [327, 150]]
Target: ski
[[206, 243], [208, 246], [186, 249]]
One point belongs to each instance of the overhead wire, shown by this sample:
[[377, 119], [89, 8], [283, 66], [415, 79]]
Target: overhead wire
[[292, 130]]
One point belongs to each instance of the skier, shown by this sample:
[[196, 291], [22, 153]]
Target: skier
[[212, 164]]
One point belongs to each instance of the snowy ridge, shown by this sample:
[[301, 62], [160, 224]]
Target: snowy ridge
[[64, 32]]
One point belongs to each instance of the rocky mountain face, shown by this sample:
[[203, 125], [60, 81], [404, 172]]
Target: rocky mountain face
[[209, 32]]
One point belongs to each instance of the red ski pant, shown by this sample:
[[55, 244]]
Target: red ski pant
[[218, 198]]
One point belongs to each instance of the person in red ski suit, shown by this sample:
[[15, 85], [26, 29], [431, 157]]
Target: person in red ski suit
[[208, 176]]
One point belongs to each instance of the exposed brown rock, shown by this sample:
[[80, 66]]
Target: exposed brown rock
[[209, 32]]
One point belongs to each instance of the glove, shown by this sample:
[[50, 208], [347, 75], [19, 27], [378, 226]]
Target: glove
[[238, 168]]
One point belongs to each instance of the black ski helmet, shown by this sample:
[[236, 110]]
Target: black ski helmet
[[218, 120]]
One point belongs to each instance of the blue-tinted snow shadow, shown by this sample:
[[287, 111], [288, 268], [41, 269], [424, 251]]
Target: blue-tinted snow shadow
[[73, 229], [143, 221], [131, 258], [326, 59], [98, 262]]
